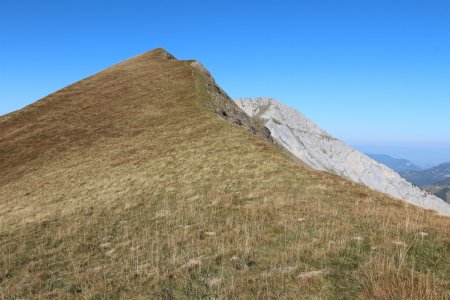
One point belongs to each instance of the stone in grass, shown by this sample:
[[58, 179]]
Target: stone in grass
[[205, 234], [399, 243], [193, 263], [423, 234], [213, 282], [134, 248], [105, 245], [97, 269], [311, 274]]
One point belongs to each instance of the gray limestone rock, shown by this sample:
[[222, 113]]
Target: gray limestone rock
[[315, 147]]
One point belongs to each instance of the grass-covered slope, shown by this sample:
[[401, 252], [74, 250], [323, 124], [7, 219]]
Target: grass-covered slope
[[129, 184]]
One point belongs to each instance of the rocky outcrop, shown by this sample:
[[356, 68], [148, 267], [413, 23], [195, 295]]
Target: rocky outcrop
[[219, 102], [315, 147]]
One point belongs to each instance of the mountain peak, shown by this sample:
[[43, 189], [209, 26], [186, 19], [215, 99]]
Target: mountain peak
[[157, 54]]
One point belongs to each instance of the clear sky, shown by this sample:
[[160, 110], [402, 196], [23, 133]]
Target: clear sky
[[371, 72]]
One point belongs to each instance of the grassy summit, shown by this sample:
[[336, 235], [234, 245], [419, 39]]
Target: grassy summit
[[144, 181]]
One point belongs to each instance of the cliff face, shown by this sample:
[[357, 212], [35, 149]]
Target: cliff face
[[318, 149]]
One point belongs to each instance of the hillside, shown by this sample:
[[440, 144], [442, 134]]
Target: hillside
[[435, 180], [441, 190], [436, 175], [146, 181], [318, 149], [444, 193], [396, 164]]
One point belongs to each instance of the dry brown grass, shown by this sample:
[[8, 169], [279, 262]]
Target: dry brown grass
[[125, 186]]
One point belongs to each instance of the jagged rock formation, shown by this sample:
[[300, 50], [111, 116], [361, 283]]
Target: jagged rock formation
[[303, 138], [219, 102]]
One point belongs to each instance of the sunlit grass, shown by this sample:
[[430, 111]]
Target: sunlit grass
[[185, 205]]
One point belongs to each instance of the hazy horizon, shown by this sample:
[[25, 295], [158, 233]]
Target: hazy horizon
[[424, 156]]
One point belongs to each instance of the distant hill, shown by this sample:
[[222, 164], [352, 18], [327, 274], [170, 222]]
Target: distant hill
[[440, 190], [436, 175], [435, 180], [446, 181], [444, 193], [396, 164]]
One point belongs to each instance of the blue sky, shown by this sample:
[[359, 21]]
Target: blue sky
[[371, 72]]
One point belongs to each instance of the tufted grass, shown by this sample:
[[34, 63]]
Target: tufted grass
[[146, 194]]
